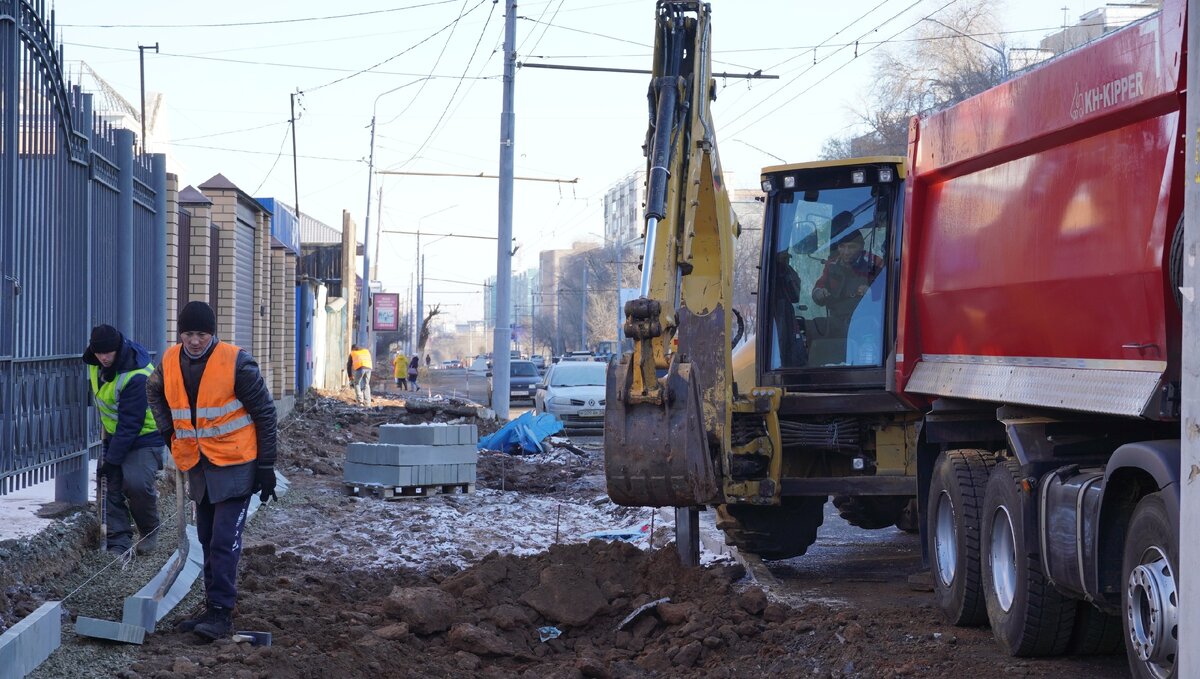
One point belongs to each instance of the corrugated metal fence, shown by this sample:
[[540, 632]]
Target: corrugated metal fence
[[82, 241]]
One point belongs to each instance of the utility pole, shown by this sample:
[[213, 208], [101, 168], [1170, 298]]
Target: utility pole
[[1188, 660], [142, 73], [583, 343], [378, 222], [503, 333], [295, 165], [420, 296], [364, 308]]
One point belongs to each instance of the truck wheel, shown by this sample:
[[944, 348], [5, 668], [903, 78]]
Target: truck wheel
[[955, 494], [870, 511], [1028, 616], [1150, 594], [1096, 632], [773, 532]]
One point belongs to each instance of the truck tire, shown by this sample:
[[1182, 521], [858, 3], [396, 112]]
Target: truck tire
[[780, 532], [1029, 617], [955, 495], [1096, 632], [1149, 593], [871, 511]]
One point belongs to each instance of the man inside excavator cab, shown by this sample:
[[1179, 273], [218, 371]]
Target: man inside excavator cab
[[849, 273]]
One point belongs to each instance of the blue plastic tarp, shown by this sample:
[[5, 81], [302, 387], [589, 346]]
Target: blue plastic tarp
[[524, 434]]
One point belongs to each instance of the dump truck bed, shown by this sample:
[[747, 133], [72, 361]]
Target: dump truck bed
[[1038, 228]]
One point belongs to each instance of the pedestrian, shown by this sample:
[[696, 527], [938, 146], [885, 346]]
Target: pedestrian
[[400, 370], [133, 448], [211, 402], [359, 366], [413, 364], [427, 361]]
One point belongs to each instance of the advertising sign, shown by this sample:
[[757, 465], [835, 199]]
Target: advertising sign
[[386, 311]]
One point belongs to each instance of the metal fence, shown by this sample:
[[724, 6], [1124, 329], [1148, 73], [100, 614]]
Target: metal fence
[[82, 241]]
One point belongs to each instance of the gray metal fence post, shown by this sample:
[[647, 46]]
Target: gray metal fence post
[[160, 340], [125, 246]]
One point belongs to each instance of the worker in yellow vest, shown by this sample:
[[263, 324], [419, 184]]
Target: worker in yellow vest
[[358, 367], [133, 448], [400, 370], [211, 403]]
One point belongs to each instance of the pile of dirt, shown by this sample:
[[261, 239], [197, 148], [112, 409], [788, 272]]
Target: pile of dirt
[[561, 473], [555, 614]]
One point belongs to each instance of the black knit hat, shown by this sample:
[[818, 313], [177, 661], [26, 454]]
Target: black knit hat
[[105, 338], [197, 317]]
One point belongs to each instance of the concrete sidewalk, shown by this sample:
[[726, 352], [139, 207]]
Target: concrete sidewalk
[[18, 510]]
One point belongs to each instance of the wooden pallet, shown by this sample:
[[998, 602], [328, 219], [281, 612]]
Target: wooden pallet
[[408, 492]]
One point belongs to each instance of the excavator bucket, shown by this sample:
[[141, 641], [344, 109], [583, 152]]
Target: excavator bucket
[[658, 455]]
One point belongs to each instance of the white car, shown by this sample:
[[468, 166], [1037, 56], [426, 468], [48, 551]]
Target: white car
[[573, 391]]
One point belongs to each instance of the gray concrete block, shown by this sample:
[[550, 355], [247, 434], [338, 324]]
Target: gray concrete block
[[107, 629], [28, 643], [408, 455], [434, 434], [143, 609]]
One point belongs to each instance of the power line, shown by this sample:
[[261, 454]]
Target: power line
[[437, 61], [286, 133], [825, 58], [267, 153], [265, 22], [828, 75], [277, 64], [397, 55], [219, 134]]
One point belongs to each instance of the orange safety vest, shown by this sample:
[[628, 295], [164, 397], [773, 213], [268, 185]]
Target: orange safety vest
[[360, 359], [223, 430]]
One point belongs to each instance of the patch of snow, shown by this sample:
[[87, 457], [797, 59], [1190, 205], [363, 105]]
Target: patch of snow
[[18, 510]]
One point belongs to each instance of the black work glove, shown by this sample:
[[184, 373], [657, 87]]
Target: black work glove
[[108, 469], [264, 480]]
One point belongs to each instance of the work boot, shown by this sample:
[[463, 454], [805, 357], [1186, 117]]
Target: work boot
[[219, 624], [147, 544], [190, 624]]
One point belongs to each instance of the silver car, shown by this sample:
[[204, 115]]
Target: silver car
[[573, 391]]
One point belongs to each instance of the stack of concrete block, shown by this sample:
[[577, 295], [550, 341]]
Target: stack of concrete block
[[415, 457]]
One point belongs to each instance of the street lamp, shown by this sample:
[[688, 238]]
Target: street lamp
[[364, 327]]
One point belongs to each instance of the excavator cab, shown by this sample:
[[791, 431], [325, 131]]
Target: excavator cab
[[827, 288]]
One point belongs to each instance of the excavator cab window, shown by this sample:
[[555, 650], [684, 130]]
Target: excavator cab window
[[827, 277]]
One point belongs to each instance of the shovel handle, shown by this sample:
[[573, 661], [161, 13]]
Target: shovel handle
[[102, 508]]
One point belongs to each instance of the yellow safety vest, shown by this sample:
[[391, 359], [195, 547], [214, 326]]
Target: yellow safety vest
[[108, 394]]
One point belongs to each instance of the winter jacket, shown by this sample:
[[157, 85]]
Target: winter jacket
[[221, 483], [400, 366], [131, 404]]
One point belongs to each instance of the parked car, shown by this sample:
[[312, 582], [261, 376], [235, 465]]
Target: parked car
[[573, 391], [523, 380], [578, 356], [454, 364], [538, 362], [479, 365]]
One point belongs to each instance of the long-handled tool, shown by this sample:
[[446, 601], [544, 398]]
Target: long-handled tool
[[102, 507]]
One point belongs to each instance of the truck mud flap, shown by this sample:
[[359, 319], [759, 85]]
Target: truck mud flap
[[657, 455]]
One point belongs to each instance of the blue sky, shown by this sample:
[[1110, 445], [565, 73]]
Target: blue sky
[[227, 91]]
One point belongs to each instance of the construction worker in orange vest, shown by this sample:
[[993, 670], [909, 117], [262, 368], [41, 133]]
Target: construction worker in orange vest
[[211, 403], [359, 366]]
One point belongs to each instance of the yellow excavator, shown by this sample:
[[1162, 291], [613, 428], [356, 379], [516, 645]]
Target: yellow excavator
[[814, 417]]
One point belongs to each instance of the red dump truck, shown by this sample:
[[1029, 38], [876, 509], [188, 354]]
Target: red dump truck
[[1039, 328]]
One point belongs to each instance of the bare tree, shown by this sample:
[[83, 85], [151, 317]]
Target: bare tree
[[435, 310], [951, 57]]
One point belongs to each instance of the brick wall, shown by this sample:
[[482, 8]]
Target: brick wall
[[173, 272], [200, 257]]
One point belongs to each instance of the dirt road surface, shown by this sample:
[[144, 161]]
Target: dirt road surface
[[505, 583]]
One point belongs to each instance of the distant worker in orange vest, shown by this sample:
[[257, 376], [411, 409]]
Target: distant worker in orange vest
[[400, 370], [211, 403], [359, 367]]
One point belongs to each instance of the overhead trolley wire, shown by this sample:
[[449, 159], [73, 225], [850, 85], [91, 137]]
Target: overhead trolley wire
[[817, 62], [831, 73], [397, 55], [434, 130]]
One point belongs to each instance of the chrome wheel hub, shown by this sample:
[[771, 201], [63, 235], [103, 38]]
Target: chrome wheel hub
[[1003, 560], [1152, 612], [945, 540]]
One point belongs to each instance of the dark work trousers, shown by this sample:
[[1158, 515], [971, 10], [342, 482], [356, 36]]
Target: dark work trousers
[[132, 490], [219, 528]]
